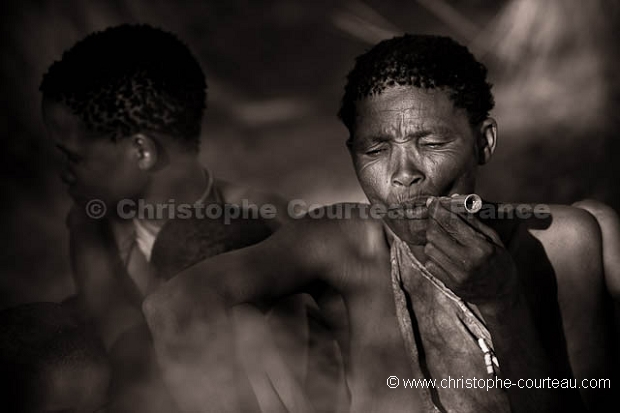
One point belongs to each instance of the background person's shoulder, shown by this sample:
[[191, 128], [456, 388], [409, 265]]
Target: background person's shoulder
[[572, 238], [569, 225], [609, 222], [233, 193], [605, 215], [273, 205]]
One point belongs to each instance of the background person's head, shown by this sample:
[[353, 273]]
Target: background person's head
[[417, 110], [49, 362], [120, 104]]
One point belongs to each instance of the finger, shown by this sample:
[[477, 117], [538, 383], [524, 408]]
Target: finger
[[447, 268], [439, 272], [489, 232], [444, 241], [467, 249], [451, 222], [456, 223], [471, 218]]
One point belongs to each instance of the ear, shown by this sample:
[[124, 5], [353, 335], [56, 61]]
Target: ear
[[486, 140], [145, 151]]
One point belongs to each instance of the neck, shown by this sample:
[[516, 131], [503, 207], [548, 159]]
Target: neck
[[183, 181]]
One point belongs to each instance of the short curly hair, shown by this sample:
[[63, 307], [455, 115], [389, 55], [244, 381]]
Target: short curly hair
[[131, 78], [423, 61]]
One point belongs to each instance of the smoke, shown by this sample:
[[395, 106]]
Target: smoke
[[276, 72]]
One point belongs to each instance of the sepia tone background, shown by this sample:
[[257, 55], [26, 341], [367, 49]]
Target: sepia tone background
[[276, 71]]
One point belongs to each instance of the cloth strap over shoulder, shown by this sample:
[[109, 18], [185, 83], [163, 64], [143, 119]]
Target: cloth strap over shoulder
[[443, 336]]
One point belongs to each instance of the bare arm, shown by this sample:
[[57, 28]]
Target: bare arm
[[95, 265], [189, 315]]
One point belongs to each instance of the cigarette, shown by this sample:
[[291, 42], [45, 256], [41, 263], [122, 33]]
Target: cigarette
[[470, 203]]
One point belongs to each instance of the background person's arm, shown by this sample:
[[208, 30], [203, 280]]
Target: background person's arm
[[96, 266], [189, 315]]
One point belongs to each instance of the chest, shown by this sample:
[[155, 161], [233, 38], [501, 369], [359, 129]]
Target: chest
[[374, 346], [402, 324]]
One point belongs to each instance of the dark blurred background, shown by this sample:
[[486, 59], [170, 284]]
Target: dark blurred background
[[276, 72]]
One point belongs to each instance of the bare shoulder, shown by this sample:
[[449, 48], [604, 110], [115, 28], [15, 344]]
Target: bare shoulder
[[572, 240], [362, 235], [609, 223], [319, 246], [571, 221], [342, 235], [350, 225], [234, 194], [601, 211], [570, 231], [274, 204]]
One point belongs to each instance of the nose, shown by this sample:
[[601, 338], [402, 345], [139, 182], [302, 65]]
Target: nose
[[405, 171]]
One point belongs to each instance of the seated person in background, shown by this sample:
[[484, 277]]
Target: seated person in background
[[429, 291], [124, 106], [49, 362], [297, 335]]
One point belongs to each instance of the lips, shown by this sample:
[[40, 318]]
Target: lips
[[410, 208], [410, 203], [408, 211]]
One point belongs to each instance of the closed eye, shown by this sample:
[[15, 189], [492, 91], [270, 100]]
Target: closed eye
[[434, 144], [374, 152]]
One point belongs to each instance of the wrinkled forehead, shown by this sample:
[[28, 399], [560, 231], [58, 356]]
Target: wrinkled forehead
[[406, 109]]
